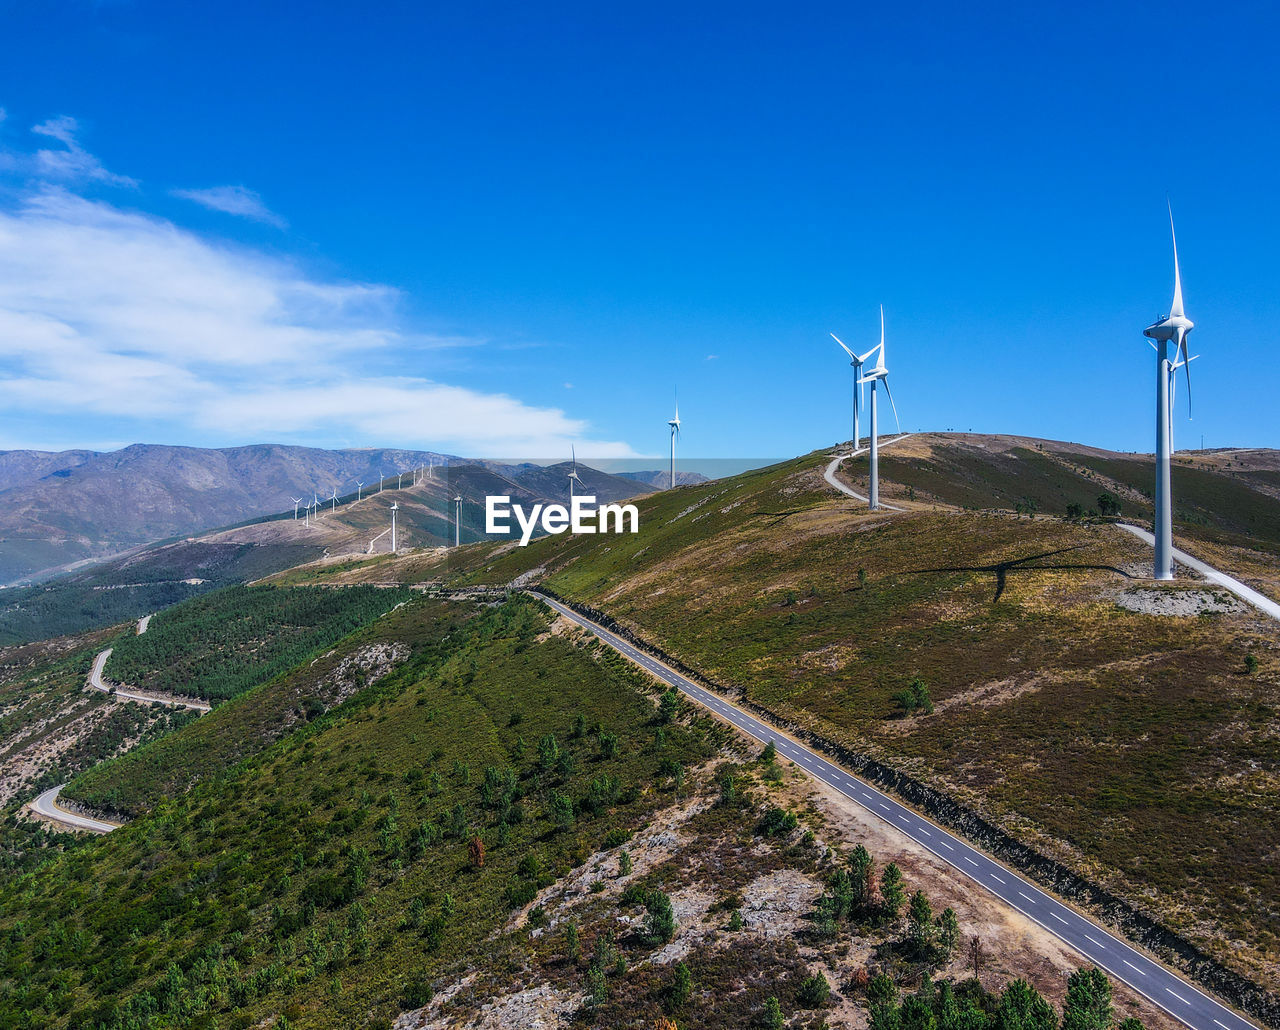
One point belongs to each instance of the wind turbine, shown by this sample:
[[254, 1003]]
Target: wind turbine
[[457, 521], [1173, 328], [296, 502], [334, 507], [878, 374], [359, 490], [399, 480], [856, 361], [315, 500], [674, 423], [380, 478], [573, 473], [395, 507]]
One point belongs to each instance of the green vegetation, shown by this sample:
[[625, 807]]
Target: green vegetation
[[136, 782], [329, 857], [129, 588], [218, 645]]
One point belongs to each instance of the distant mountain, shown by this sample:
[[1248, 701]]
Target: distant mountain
[[60, 509], [57, 509], [657, 478]]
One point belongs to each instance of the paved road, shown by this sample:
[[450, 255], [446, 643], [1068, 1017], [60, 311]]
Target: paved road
[[1262, 603], [47, 805], [98, 683], [1149, 978], [830, 474], [143, 623]]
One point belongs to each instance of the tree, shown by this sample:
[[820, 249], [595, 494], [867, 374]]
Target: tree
[[572, 943], [1022, 1008], [1108, 503], [813, 991], [624, 862], [915, 697], [917, 1014], [548, 752], [669, 705], [862, 875], [475, 850], [892, 891], [771, 1018], [1250, 664], [920, 928], [948, 934], [770, 753], [1075, 511], [1088, 1004], [662, 919], [680, 988]]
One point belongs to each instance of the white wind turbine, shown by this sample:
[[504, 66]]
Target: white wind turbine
[[395, 507], [856, 361], [1173, 328], [674, 423], [359, 490], [380, 478], [457, 521], [315, 501], [334, 506], [573, 472], [878, 374], [399, 480], [296, 501]]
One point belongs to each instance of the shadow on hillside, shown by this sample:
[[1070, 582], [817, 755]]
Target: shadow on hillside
[[1002, 569]]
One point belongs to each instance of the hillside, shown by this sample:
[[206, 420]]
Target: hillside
[[1138, 749], [501, 825]]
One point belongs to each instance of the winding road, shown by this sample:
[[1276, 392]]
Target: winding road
[[47, 805], [830, 474], [1154, 981], [98, 683]]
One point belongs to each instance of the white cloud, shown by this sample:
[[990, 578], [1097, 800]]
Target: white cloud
[[72, 163], [116, 317], [233, 200]]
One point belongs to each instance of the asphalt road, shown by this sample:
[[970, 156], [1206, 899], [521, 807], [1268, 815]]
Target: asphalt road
[[98, 683], [1245, 593], [1149, 978], [47, 805]]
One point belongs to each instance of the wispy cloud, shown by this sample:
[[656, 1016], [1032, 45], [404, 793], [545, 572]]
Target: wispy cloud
[[233, 200], [72, 163], [116, 317]]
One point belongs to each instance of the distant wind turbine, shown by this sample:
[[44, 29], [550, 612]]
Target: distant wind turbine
[[296, 501], [878, 374], [856, 361], [399, 480], [674, 423], [573, 473], [380, 479], [395, 507], [1173, 328], [359, 490], [457, 521], [334, 506]]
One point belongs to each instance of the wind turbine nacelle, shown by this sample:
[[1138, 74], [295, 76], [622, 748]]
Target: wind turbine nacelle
[[1169, 328]]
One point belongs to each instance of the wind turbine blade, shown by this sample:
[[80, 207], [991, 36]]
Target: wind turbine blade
[[885, 380], [1176, 311], [882, 328], [1187, 365], [852, 356]]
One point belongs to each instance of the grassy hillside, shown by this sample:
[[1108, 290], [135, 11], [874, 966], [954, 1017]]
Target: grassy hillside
[[136, 782], [219, 645], [1139, 749], [330, 875]]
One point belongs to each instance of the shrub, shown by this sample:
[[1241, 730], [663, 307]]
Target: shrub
[[680, 988], [915, 697], [771, 1018], [1250, 664], [813, 991], [669, 705], [776, 822]]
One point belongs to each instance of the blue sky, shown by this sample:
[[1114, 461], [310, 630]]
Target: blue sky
[[500, 229]]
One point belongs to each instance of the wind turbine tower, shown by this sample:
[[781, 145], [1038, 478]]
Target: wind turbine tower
[[1173, 328], [856, 361], [395, 507], [573, 472], [878, 374], [296, 502], [457, 521], [334, 507], [359, 490], [674, 423], [380, 479]]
